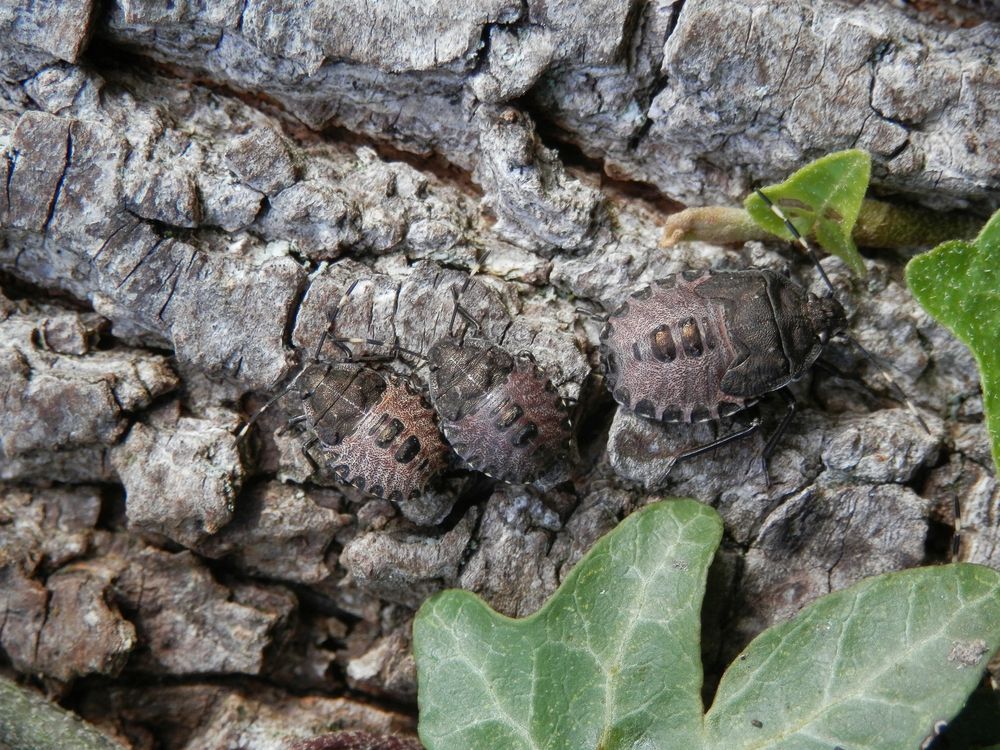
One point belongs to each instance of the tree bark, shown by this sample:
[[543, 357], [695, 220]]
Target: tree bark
[[186, 194]]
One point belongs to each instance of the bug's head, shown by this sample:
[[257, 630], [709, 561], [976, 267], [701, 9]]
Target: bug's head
[[827, 317], [453, 362], [460, 373], [446, 357]]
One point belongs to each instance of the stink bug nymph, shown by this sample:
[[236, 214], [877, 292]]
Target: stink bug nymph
[[373, 429], [376, 432], [499, 411], [703, 345]]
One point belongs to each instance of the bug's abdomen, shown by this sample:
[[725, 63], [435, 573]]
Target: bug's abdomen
[[376, 432], [665, 352], [517, 430], [397, 448]]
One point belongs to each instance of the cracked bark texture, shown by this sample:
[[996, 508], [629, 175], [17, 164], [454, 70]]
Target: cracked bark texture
[[187, 192]]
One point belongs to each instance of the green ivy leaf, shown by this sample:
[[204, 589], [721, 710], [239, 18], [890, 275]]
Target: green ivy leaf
[[822, 200], [612, 661], [958, 283]]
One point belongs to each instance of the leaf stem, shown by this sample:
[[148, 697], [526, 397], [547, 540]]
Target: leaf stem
[[880, 224]]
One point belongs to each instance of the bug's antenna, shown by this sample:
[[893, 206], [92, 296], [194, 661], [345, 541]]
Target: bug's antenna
[[893, 385], [457, 310], [798, 238], [333, 324], [460, 312], [480, 261], [270, 402]]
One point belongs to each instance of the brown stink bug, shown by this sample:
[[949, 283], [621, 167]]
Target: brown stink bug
[[704, 345], [373, 428], [500, 412], [375, 431]]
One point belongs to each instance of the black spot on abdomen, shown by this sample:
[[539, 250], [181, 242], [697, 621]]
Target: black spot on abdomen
[[661, 342], [701, 413], [390, 433], [646, 408], [408, 450], [691, 338], [644, 293], [509, 417], [527, 434], [671, 414]]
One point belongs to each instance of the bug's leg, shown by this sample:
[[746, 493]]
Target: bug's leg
[[790, 407], [772, 441], [395, 349], [739, 434], [343, 343], [270, 402], [332, 326], [763, 470], [591, 314], [290, 423], [459, 311], [305, 452], [456, 294]]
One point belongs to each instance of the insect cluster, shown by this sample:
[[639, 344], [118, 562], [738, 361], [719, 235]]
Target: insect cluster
[[691, 347], [377, 430]]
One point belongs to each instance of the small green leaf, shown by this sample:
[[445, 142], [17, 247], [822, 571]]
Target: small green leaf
[[822, 200], [612, 661], [958, 283], [29, 722]]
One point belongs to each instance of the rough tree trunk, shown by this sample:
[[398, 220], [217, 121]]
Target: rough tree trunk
[[187, 189]]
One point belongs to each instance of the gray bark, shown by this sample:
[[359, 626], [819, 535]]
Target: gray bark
[[186, 194]]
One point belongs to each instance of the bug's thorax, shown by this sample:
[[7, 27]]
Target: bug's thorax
[[335, 397], [462, 371]]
